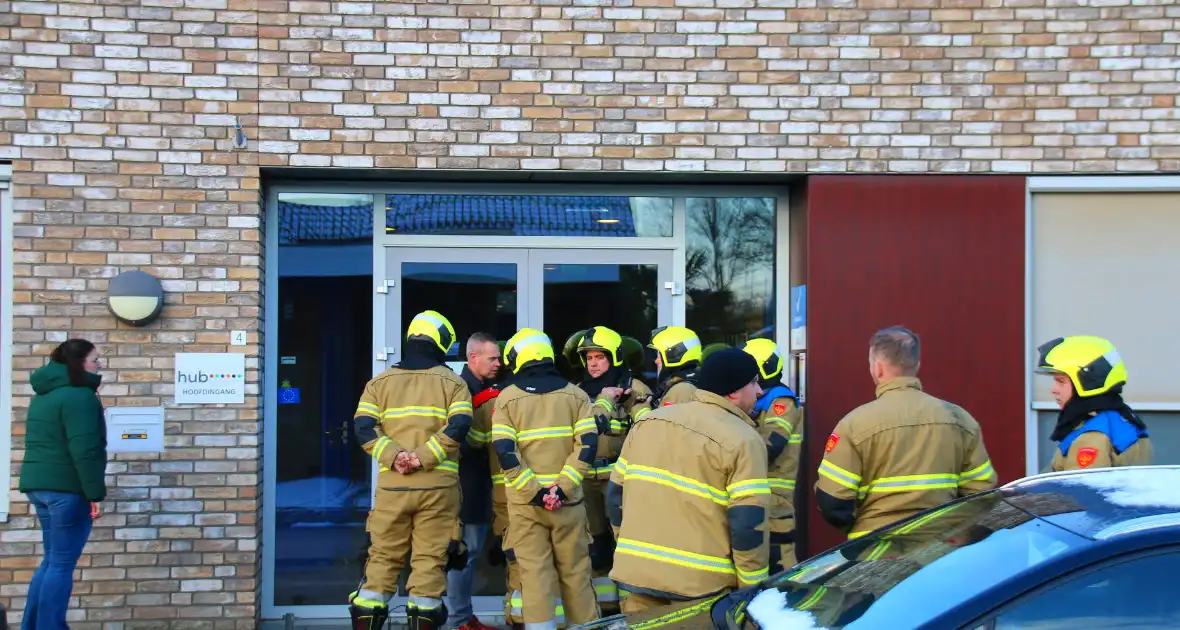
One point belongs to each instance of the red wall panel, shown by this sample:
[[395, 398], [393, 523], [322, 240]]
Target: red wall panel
[[940, 254]]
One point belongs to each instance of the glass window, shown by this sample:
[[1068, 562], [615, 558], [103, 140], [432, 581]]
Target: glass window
[[529, 215], [730, 268], [325, 343], [1133, 595], [909, 573]]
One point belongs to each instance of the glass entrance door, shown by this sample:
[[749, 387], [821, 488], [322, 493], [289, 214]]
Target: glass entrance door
[[499, 291], [478, 290], [572, 290]]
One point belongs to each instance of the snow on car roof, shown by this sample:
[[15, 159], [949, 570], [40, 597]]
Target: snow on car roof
[[1132, 488], [769, 608]]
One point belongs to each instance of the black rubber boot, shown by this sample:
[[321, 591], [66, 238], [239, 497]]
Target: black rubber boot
[[423, 619], [368, 618]]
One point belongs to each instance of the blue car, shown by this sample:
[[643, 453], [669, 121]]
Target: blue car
[[1059, 551]]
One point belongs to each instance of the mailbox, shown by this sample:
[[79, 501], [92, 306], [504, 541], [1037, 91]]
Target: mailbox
[[135, 429]]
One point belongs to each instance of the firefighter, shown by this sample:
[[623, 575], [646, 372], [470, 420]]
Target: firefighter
[[620, 400], [689, 495], [780, 422], [1095, 428], [903, 453], [545, 437], [678, 355], [412, 419]]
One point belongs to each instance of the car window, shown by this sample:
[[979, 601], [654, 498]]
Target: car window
[[912, 572], [1132, 595]]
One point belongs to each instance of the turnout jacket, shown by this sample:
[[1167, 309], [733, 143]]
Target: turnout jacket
[[1105, 440], [688, 500], [617, 419], [543, 438], [780, 423], [426, 411], [903, 453]]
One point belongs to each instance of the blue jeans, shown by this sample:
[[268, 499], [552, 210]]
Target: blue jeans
[[460, 583], [65, 526]]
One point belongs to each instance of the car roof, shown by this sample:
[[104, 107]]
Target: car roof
[[1104, 502]]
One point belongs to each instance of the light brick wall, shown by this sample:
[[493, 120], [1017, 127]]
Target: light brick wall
[[117, 115]]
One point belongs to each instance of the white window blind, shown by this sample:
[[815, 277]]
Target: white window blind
[[1109, 265]]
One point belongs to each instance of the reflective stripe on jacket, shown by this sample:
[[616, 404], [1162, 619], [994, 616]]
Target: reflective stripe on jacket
[[900, 454], [425, 411], [688, 498], [541, 439], [781, 426]]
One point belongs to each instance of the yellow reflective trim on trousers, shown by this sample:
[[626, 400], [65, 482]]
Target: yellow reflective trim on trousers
[[436, 448], [748, 578], [982, 471], [839, 475], [778, 483], [586, 424], [676, 557], [676, 482], [522, 479], [517, 604], [676, 616], [605, 589], [368, 409], [747, 488], [541, 434], [405, 412]]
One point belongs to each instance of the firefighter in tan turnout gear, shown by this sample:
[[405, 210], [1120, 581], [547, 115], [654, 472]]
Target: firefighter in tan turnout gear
[[904, 452], [620, 400], [1095, 428], [780, 423], [545, 438], [678, 355], [411, 419], [689, 495]]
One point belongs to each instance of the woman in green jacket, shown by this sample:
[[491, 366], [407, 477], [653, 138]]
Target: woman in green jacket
[[63, 473]]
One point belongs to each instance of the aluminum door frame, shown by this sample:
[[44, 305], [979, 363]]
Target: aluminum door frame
[[662, 259], [484, 606]]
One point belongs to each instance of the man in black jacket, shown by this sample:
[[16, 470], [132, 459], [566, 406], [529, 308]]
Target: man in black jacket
[[475, 477]]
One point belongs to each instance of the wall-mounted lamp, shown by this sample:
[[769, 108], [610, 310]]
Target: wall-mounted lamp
[[135, 297]]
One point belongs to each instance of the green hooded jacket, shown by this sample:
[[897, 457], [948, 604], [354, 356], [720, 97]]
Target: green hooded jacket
[[66, 436]]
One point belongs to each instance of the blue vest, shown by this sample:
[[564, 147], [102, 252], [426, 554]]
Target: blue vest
[[1113, 425], [778, 391]]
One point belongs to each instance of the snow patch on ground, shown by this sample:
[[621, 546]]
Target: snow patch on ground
[[769, 608], [1133, 488]]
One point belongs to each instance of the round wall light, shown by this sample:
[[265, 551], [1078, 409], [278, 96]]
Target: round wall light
[[135, 297]]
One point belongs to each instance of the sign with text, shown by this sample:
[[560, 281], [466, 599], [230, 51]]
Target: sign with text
[[204, 378]]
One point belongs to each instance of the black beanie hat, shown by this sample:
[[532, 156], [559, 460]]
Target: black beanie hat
[[726, 371]]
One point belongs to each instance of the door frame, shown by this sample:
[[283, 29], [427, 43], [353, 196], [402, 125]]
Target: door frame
[[665, 284]]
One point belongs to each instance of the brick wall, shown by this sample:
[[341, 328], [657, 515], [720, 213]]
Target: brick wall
[[117, 115]]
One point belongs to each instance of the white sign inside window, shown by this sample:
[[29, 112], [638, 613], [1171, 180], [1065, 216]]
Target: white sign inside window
[[210, 378]]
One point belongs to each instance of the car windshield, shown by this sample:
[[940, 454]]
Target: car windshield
[[911, 572]]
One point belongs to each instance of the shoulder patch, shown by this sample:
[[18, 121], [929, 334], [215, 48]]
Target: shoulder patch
[[779, 408], [831, 445], [1086, 456]]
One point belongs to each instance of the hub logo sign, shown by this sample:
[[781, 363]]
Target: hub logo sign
[[204, 378]]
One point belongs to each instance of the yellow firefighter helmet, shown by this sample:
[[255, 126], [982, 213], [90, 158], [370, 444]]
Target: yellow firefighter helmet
[[527, 347], [432, 327], [1092, 363]]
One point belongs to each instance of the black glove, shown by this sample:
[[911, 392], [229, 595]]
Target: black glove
[[456, 555], [539, 500], [603, 423], [496, 556]]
